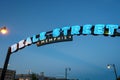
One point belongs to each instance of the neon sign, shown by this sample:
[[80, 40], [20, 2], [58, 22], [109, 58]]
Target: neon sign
[[65, 34], [59, 35]]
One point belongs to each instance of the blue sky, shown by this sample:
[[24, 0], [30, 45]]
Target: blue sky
[[87, 56]]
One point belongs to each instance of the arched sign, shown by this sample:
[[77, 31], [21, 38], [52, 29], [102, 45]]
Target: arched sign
[[65, 34], [60, 35]]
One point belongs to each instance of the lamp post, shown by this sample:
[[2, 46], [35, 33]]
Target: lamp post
[[3, 30], [66, 72], [114, 68]]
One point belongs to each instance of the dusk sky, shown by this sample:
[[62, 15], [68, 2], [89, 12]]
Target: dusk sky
[[87, 56]]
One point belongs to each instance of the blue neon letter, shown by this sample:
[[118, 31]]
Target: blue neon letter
[[99, 29], [56, 32], [87, 29], [75, 30], [111, 29], [34, 39], [42, 35], [65, 30]]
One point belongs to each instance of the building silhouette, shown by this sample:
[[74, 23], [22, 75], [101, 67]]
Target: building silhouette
[[10, 74]]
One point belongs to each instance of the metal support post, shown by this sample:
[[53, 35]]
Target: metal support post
[[6, 64]]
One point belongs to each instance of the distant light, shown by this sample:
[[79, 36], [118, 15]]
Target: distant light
[[4, 30], [108, 66]]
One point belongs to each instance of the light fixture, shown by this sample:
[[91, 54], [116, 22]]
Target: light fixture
[[3, 30]]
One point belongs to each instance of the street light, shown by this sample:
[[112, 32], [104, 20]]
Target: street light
[[3, 30], [114, 68], [66, 72]]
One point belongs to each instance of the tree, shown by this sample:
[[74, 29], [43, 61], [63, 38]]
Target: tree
[[34, 76]]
